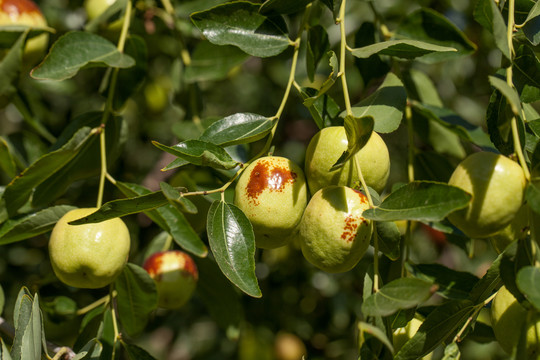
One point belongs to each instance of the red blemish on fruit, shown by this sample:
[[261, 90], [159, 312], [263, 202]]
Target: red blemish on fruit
[[18, 7], [174, 259], [267, 176], [349, 230], [362, 196]]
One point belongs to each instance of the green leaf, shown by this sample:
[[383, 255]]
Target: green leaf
[[389, 239], [123, 207], [87, 162], [240, 24], [27, 340], [429, 26], [31, 225], [404, 49], [133, 77], [176, 199], [77, 50], [228, 311], [10, 34], [452, 284], [283, 6], [526, 70], [498, 118], [7, 162], [385, 105], [451, 352], [532, 194], [528, 279], [489, 16], [91, 351], [421, 201], [531, 26], [454, 123], [402, 293], [328, 83], [169, 219], [233, 244], [135, 352], [508, 92], [10, 67], [372, 68], [431, 166], [20, 189], [210, 62], [176, 163], [241, 128], [358, 131], [200, 153], [323, 110], [317, 46], [441, 324], [365, 328], [4, 351], [137, 298], [488, 283]]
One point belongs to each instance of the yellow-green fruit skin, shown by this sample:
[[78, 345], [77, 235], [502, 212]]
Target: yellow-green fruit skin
[[333, 233], [26, 12], [507, 320], [94, 8], [516, 230], [272, 193], [326, 147], [90, 255], [404, 334], [496, 184]]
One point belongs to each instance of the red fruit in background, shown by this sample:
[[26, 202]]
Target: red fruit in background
[[175, 274]]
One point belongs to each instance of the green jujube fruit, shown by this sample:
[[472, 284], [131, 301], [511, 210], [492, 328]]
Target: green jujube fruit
[[326, 147], [333, 233]]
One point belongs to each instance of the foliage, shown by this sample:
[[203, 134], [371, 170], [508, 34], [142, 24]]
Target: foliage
[[157, 120]]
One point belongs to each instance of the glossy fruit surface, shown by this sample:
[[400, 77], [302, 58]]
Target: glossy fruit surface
[[175, 274], [326, 147], [333, 233], [496, 184], [89, 255], [272, 192], [508, 318], [26, 13]]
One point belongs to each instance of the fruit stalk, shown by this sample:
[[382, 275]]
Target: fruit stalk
[[510, 82]]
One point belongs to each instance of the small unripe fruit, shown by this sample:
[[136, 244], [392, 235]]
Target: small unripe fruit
[[90, 255], [272, 192], [326, 147], [507, 320], [175, 274], [333, 233], [94, 8], [516, 230], [496, 184], [404, 334], [26, 13]]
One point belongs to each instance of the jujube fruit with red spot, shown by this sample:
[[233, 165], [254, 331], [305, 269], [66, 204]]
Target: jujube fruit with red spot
[[26, 13], [333, 233], [89, 255], [497, 186], [326, 147], [272, 192], [175, 274]]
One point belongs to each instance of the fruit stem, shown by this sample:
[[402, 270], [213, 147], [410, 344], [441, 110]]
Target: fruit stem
[[95, 304], [103, 174], [342, 53], [510, 82], [114, 320]]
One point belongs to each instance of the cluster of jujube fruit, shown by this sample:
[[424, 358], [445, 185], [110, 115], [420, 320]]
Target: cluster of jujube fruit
[[330, 228]]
